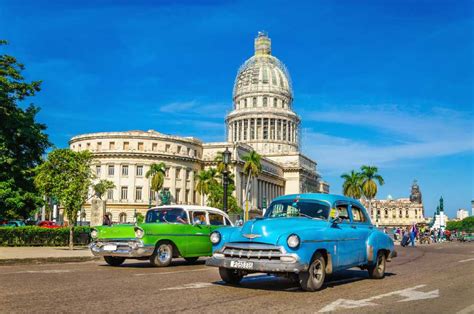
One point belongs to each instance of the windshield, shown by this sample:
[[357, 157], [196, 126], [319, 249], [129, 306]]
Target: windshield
[[173, 215], [298, 208]]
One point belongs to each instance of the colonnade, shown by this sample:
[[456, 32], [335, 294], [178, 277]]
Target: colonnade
[[263, 129]]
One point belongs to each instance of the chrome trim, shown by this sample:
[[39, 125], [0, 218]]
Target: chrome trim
[[251, 236], [336, 240], [178, 235], [125, 248]]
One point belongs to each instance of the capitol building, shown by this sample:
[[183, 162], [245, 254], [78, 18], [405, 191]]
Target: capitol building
[[262, 119]]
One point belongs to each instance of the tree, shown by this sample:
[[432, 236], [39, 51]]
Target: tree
[[216, 193], [369, 177], [352, 186], [252, 168], [101, 187], [66, 175], [157, 174], [204, 180], [22, 141]]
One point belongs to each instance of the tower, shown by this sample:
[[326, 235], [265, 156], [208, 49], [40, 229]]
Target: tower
[[262, 115], [415, 195]]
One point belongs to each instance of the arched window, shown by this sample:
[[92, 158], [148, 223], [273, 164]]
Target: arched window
[[123, 217], [264, 101], [245, 103], [254, 101], [274, 102]]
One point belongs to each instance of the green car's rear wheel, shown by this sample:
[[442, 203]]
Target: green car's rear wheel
[[313, 279], [191, 260], [162, 255], [230, 276], [114, 260]]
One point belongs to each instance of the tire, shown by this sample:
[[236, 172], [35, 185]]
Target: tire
[[230, 276], [377, 270], [162, 255], [191, 260], [114, 261], [313, 279]]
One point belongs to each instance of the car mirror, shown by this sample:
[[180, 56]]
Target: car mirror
[[336, 220]]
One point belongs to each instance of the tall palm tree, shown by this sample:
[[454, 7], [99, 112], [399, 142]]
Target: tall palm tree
[[220, 162], [252, 168], [369, 178], [352, 185], [202, 184], [157, 174]]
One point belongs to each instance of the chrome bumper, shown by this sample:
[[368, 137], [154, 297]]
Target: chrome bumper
[[261, 266], [132, 248]]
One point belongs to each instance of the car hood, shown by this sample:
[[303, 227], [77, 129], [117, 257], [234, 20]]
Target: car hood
[[269, 230], [116, 232]]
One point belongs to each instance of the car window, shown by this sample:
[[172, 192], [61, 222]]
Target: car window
[[227, 222], [298, 208], [216, 219], [167, 215], [343, 211], [199, 218], [357, 214]]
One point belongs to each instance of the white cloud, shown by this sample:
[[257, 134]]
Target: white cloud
[[194, 108]]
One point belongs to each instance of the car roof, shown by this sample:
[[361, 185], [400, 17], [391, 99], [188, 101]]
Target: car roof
[[192, 207], [331, 198]]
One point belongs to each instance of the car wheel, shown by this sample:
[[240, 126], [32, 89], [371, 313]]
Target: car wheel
[[191, 260], [313, 279], [230, 276], [114, 261], [377, 270], [162, 255]]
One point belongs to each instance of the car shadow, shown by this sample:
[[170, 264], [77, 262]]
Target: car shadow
[[131, 263], [273, 283]]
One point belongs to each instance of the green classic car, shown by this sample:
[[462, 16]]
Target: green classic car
[[168, 231]]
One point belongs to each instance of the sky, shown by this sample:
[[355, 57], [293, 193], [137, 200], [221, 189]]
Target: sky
[[384, 83]]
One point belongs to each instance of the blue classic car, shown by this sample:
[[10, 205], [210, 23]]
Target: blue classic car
[[305, 237]]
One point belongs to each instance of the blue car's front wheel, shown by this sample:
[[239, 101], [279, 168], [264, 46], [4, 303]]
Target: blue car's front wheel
[[313, 279]]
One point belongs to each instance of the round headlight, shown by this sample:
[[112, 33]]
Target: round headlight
[[94, 234], [215, 237], [139, 233], [293, 241]]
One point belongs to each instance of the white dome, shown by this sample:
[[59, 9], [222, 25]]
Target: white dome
[[263, 72]]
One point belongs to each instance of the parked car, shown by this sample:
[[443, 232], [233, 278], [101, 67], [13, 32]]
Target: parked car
[[468, 237], [14, 223], [48, 224], [168, 232], [304, 236]]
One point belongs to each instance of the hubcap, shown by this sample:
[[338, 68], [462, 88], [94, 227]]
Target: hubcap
[[317, 271], [381, 264], [163, 253]]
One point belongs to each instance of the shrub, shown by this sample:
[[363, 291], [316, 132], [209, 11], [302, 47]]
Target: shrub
[[37, 236]]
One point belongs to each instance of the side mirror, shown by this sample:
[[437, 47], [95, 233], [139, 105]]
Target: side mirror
[[336, 220]]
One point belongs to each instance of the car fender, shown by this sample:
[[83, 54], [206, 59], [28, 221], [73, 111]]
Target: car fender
[[378, 241]]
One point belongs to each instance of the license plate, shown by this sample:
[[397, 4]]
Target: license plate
[[110, 247], [241, 264]]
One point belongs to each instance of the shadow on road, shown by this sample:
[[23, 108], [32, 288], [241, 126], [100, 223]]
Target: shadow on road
[[145, 264]]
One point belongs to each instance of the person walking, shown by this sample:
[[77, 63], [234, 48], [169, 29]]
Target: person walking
[[413, 231]]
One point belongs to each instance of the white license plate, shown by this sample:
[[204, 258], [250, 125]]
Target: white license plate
[[241, 264], [110, 247]]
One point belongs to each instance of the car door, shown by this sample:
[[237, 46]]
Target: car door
[[345, 237], [199, 243], [363, 228]]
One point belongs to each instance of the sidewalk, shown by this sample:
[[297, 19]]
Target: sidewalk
[[13, 255]]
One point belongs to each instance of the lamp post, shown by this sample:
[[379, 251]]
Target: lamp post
[[226, 155]]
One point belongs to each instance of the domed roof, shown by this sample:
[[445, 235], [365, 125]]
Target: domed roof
[[263, 72]]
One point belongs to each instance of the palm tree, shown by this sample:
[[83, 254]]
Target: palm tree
[[204, 180], [252, 168], [220, 162], [157, 174], [369, 176], [101, 187], [352, 186]]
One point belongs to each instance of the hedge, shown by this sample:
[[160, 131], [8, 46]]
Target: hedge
[[37, 236]]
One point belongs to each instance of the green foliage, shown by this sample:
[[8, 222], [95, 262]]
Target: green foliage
[[369, 176], [467, 224], [157, 174], [66, 175], [22, 141], [37, 236], [216, 196], [140, 218], [453, 225], [101, 187], [252, 167], [205, 179], [352, 186]]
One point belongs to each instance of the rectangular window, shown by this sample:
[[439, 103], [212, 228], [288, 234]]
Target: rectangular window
[[274, 102], [99, 145], [88, 145], [186, 197], [357, 214], [110, 194], [178, 149], [254, 101], [195, 153], [124, 193], [167, 172], [178, 173], [125, 170], [189, 151], [152, 195], [167, 148], [111, 170], [112, 145], [154, 147], [188, 175], [138, 193], [97, 170], [126, 145], [139, 171], [216, 219], [140, 146], [178, 196], [264, 101]]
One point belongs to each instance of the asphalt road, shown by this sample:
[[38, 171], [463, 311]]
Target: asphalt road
[[437, 278]]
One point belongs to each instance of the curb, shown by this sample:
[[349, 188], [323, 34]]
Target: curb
[[45, 260]]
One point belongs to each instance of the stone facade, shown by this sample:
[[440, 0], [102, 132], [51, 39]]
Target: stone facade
[[262, 120], [398, 212]]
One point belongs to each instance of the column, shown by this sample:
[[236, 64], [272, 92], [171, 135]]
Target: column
[[254, 129], [172, 180], [261, 128], [254, 193], [191, 188], [275, 129]]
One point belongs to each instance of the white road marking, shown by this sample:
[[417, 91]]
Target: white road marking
[[410, 294], [195, 285], [174, 272], [47, 271], [467, 310], [466, 260]]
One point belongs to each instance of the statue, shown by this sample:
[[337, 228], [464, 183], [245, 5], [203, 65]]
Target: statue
[[441, 204], [165, 197]]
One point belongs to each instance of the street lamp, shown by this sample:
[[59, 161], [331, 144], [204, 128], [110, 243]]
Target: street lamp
[[226, 155]]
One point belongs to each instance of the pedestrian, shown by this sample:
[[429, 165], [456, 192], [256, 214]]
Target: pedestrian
[[239, 221], [107, 221], [413, 231]]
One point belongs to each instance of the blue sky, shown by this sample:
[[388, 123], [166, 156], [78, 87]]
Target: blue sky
[[388, 83]]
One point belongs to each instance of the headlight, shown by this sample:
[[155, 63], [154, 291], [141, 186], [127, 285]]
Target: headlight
[[293, 241], [94, 234], [215, 237], [139, 233]]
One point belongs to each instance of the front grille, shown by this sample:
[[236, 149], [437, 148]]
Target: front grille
[[253, 251]]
